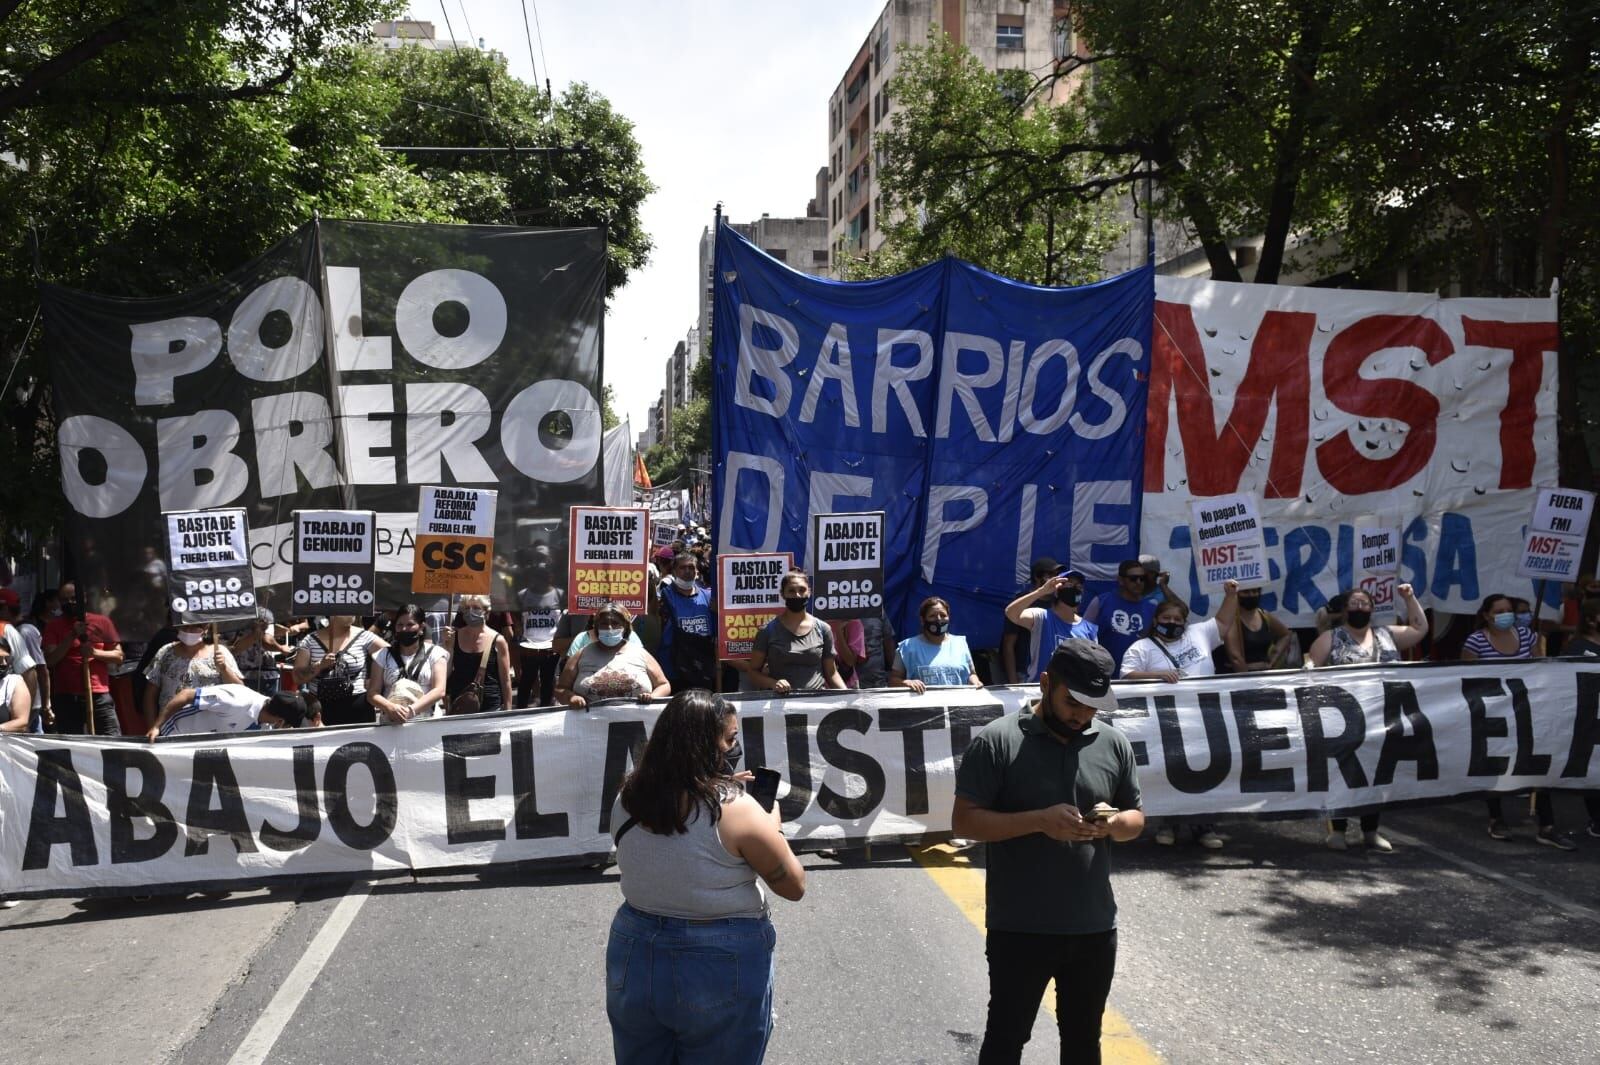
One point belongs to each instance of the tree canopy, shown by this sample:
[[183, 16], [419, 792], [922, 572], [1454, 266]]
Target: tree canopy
[[147, 147]]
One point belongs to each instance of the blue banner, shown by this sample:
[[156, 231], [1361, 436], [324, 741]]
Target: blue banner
[[993, 422]]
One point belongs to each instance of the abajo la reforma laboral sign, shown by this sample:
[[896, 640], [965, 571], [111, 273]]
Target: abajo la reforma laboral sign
[[347, 366]]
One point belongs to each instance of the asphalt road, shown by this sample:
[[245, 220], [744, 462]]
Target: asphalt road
[[1455, 948]]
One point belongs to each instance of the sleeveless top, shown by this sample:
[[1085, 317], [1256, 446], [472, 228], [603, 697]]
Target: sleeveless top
[[464, 670], [1257, 642], [1345, 651], [691, 875]]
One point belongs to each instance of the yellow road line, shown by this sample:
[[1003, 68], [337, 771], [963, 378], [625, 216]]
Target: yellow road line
[[963, 883]]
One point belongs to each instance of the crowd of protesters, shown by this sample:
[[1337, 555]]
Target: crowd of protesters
[[58, 658]]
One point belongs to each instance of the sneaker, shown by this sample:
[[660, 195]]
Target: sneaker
[[8, 904], [1593, 829], [1497, 830], [1559, 840], [1166, 836], [1209, 840], [1337, 842], [1378, 843]]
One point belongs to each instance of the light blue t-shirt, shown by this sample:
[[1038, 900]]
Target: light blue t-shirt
[[948, 663], [1049, 632]]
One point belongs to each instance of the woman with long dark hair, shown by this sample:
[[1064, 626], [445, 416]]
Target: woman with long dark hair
[[689, 961]]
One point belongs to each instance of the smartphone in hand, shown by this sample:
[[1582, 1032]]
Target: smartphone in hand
[[764, 788]]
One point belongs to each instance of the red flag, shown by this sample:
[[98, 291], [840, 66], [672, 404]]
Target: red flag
[[641, 476]]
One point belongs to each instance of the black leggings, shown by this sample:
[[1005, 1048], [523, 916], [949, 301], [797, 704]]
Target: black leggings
[[540, 667], [1369, 823]]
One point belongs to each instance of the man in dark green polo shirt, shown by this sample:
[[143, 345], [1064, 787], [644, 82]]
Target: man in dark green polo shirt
[[1028, 787]]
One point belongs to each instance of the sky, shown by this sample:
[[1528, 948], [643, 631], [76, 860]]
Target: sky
[[729, 101]]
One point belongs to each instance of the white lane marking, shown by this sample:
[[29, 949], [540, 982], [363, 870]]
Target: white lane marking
[[1565, 905], [263, 1035]]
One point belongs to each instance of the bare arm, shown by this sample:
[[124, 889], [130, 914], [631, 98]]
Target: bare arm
[[565, 685], [1233, 640], [503, 664], [756, 838], [1318, 655], [1228, 612], [831, 676], [1015, 609], [758, 674], [21, 709], [660, 688], [1412, 632]]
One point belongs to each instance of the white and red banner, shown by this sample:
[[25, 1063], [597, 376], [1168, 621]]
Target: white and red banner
[[81, 815], [1340, 410]]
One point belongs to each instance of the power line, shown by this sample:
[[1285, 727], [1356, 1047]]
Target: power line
[[542, 60], [529, 35]]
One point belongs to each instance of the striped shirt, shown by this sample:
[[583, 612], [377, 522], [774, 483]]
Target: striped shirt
[[217, 708], [1478, 643]]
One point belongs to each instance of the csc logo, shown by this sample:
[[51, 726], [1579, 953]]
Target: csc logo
[[452, 556]]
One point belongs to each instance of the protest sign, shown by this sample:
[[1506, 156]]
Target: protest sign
[[454, 550], [848, 553], [663, 527], [1338, 409], [82, 816], [208, 566], [1228, 544], [749, 594], [610, 558], [335, 562], [1378, 566], [1553, 544]]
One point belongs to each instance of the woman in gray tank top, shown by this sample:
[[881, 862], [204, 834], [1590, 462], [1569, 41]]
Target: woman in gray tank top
[[689, 965]]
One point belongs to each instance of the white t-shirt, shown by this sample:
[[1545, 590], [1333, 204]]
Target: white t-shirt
[[17, 644], [387, 665], [217, 708], [1192, 652], [8, 685]]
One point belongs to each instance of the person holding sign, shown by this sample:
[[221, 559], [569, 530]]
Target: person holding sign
[[692, 848], [611, 666], [1049, 627], [412, 657], [332, 664], [480, 661], [1170, 651], [67, 638], [795, 652], [1500, 634], [935, 656], [1356, 641], [188, 662]]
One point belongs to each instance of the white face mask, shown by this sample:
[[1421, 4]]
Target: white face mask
[[191, 639], [684, 584]]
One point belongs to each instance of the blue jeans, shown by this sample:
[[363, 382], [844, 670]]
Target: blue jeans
[[689, 992]]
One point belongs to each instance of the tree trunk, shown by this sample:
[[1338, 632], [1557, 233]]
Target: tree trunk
[[1289, 147]]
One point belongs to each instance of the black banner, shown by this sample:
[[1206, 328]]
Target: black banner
[[346, 367]]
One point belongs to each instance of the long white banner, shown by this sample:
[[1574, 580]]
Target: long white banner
[[1343, 409], [81, 816]]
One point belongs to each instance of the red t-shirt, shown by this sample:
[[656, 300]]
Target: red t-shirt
[[67, 676]]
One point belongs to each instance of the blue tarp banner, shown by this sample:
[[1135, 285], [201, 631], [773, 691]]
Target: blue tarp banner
[[992, 421]]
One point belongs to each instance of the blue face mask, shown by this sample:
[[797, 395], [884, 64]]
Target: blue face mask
[[1525, 619], [1504, 621], [611, 637]]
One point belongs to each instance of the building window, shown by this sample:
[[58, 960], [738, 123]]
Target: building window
[[1008, 32], [780, 254], [819, 257]]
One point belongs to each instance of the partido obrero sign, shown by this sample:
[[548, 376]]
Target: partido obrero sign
[[81, 815]]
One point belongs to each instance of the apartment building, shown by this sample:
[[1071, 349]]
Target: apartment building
[[1002, 34]]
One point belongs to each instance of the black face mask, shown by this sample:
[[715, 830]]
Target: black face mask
[[797, 603], [406, 639], [731, 758], [1358, 619], [1069, 596], [1249, 602], [1170, 630], [5, 666], [937, 628]]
